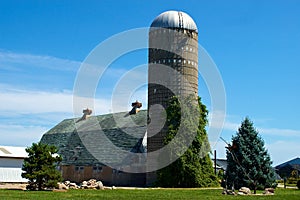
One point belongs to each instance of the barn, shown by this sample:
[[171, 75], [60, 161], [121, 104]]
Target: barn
[[86, 146], [11, 161]]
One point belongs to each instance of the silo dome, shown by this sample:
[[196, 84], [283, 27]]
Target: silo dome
[[174, 19]]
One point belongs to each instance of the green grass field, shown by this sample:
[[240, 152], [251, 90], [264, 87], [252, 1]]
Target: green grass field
[[152, 194]]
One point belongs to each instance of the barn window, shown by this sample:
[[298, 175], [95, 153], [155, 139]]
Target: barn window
[[97, 168], [79, 168]]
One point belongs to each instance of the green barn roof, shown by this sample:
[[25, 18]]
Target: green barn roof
[[78, 141]]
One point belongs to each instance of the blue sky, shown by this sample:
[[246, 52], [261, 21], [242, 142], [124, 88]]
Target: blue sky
[[255, 45]]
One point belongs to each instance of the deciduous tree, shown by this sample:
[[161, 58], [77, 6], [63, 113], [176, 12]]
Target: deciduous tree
[[194, 167]]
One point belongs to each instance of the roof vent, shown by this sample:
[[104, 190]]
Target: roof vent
[[4, 150]]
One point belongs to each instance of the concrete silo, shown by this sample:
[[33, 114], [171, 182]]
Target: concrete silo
[[172, 70]]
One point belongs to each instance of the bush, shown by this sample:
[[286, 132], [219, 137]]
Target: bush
[[298, 184], [292, 181]]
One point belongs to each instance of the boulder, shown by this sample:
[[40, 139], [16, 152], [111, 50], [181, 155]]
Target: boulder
[[84, 185], [92, 182], [245, 190], [67, 183], [91, 187], [73, 186], [269, 191], [100, 185], [62, 186]]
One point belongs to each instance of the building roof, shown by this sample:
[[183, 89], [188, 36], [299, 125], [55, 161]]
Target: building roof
[[222, 163], [174, 19], [294, 162], [12, 152], [123, 131]]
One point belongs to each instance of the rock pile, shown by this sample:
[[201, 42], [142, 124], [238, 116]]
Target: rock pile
[[247, 191], [90, 184]]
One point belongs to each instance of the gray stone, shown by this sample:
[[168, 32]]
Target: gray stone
[[62, 186], [245, 190]]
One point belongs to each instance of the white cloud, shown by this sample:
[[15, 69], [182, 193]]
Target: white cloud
[[282, 151], [282, 144], [280, 132], [11, 60], [14, 102], [25, 101], [25, 115], [233, 126], [17, 135]]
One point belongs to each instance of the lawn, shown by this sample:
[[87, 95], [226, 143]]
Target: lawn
[[152, 194]]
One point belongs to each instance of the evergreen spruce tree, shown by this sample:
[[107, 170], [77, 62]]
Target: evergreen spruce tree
[[249, 164], [40, 167], [194, 168]]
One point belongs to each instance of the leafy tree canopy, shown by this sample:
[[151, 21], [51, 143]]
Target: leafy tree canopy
[[194, 167]]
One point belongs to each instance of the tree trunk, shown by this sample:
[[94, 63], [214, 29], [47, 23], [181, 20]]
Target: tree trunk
[[255, 188], [39, 184]]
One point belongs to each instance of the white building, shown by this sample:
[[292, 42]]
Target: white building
[[11, 161]]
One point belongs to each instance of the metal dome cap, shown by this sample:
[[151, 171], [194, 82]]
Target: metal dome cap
[[174, 19]]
